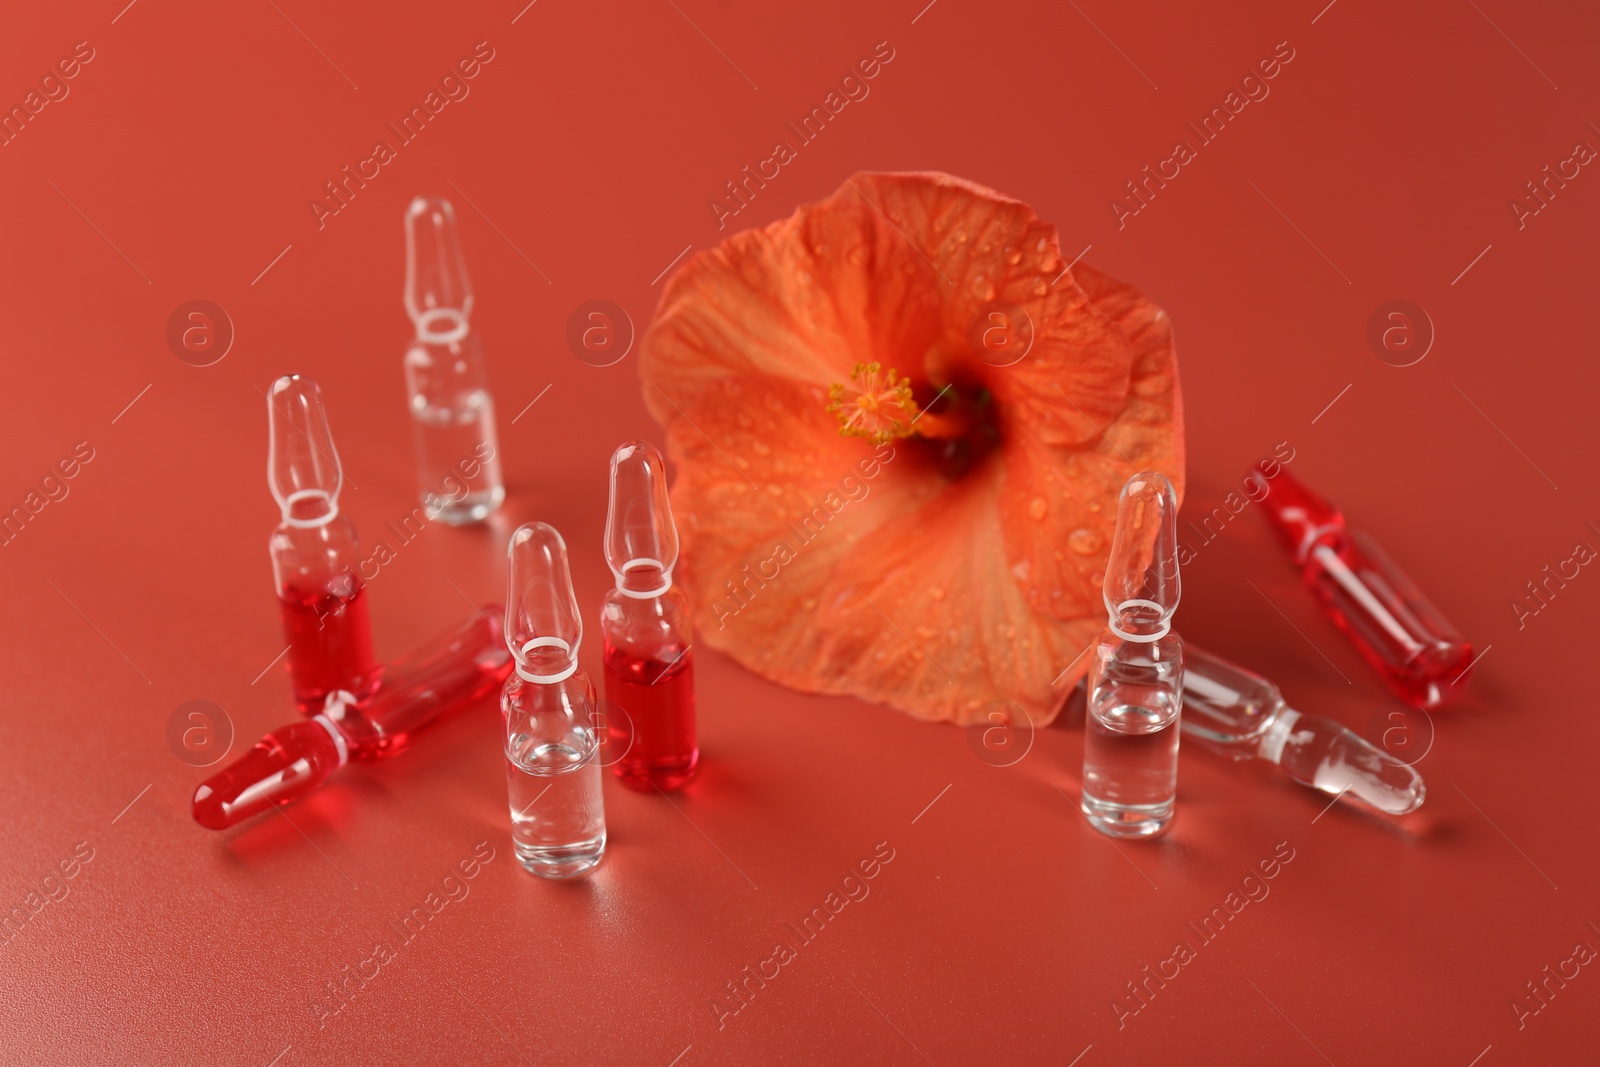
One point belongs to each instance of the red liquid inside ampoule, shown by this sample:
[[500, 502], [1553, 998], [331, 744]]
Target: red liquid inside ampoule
[[1391, 622], [330, 644], [657, 731], [1394, 627], [283, 766], [418, 690]]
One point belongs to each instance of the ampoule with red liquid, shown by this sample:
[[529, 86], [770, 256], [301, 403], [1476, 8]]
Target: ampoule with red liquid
[[649, 661], [314, 553], [1407, 640], [444, 676]]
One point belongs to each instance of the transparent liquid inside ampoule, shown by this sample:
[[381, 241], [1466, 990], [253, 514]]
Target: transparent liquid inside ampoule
[[1130, 755], [457, 459], [558, 825]]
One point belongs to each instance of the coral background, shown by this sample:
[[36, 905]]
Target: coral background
[[1381, 166]]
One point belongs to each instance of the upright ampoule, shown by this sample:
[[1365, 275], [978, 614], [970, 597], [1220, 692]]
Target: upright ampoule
[[452, 412], [1135, 686], [1241, 715], [1400, 634], [649, 661], [558, 824], [314, 552]]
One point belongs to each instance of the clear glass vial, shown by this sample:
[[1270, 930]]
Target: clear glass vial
[[1240, 715], [649, 659], [558, 823], [1135, 685], [452, 412]]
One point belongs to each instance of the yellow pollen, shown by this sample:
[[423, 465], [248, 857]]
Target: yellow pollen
[[876, 405]]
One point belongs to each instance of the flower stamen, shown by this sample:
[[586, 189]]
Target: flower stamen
[[877, 405]]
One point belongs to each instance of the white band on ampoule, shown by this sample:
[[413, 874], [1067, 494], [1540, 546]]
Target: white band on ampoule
[[338, 738], [1278, 735], [427, 334], [640, 563], [310, 494], [1165, 623], [547, 679]]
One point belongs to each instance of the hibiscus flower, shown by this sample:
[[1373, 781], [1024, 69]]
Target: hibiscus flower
[[875, 495]]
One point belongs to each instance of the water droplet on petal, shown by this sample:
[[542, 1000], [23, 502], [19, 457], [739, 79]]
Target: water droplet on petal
[[1084, 541], [1038, 508], [809, 604]]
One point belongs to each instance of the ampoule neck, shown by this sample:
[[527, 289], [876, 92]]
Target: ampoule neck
[[1303, 519], [438, 292], [643, 579], [546, 661], [1276, 735], [442, 327], [308, 509], [1140, 621]]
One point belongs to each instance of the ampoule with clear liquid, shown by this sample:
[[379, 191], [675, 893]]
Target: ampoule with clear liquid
[[1240, 715], [1135, 684], [452, 412], [552, 743]]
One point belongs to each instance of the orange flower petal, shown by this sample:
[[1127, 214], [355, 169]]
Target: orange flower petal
[[937, 572]]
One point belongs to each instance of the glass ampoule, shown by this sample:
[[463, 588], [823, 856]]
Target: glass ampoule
[[1240, 715], [649, 661], [1135, 684], [447, 674], [552, 744], [452, 411], [1400, 634], [314, 550]]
